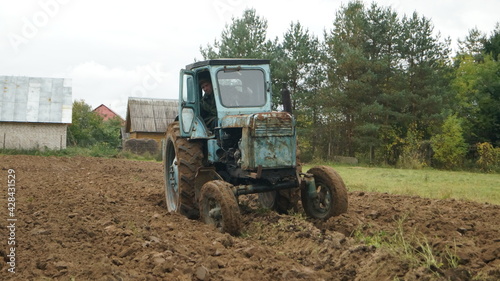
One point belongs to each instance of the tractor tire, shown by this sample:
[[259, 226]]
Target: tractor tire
[[332, 194], [287, 200], [267, 200], [181, 160], [218, 207], [281, 201]]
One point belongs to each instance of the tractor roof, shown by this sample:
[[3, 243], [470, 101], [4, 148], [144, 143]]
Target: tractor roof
[[227, 62]]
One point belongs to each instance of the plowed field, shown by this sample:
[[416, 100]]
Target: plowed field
[[105, 219]]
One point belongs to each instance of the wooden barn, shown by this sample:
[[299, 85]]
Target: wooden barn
[[34, 112], [148, 118]]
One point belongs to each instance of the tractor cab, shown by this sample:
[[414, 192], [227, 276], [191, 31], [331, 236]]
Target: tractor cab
[[240, 86]]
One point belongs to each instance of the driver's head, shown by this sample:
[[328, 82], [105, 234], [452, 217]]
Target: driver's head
[[206, 86]]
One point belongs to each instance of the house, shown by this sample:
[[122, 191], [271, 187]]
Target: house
[[148, 118], [34, 112], [106, 113]]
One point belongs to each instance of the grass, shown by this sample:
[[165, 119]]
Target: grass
[[428, 183], [98, 150], [412, 247]]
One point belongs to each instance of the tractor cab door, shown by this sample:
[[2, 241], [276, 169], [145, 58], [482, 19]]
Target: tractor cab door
[[187, 99], [190, 122]]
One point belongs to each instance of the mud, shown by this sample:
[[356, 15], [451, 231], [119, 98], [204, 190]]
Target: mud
[[105, 219]]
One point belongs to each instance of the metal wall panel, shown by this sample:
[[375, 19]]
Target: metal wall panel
[[33, 99]]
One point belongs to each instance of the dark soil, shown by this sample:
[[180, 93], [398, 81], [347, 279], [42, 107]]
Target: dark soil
[[105, 219]]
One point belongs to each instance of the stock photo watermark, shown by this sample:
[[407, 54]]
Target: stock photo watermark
[[31, 26], [153, 77], [226, 8], [11, 220]]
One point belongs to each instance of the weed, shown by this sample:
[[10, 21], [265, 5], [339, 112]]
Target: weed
[[297, 215], [399, 240], [377, 239], [409, 246], [263, 211], [424, 251], [245, 234], [452, 257]]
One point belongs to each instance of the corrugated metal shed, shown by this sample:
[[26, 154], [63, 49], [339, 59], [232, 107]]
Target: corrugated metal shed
[[150, 115], [37, 100]]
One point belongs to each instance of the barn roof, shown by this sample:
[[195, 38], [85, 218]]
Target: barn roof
[[150, 115], [34, 99]]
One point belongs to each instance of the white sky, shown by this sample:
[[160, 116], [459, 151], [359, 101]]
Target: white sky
[[115, 49]]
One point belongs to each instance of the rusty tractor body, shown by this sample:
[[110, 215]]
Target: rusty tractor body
[[244, 148]]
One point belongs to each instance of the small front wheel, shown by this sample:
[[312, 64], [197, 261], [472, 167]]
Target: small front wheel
[[267, 199], [330, 196], [218, 207]]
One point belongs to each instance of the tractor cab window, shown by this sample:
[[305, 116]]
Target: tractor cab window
[[242, 87]]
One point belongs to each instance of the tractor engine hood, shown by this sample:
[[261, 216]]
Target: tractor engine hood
[[268, 139], [262, 124]]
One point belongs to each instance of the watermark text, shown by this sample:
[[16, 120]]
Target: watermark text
[[11, 220], [30, 27]]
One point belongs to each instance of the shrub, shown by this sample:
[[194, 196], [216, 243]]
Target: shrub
[[414, 150], [449, 147], [489, 157]]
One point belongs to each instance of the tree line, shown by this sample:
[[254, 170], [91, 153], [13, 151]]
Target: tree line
[[380, 87]]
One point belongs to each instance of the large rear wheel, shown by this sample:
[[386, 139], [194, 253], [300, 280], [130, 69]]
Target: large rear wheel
[[181, 160], [331, 199], [218, 207]]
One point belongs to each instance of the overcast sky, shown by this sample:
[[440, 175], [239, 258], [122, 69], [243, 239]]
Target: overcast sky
[[115, 49]]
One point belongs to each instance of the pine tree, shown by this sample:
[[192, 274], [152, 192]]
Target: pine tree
[[298, 65], [245, 37], [492, 44]]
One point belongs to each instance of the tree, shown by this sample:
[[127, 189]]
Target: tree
[[348, 72], [472, 45], [427, 74], [385, 75], [477, 88], [297, 64], [88, 128], [244, 38], [81, 132], [449, 146], [492, 44]]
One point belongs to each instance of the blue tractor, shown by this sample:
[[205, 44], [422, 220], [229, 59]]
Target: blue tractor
[[247, 148]]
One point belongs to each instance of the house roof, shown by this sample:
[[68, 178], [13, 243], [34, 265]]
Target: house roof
[[106, 112], [34, 99], [150, 115]]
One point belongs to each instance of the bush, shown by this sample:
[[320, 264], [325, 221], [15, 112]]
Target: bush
[[88, 128], [489, 157], [414, 150], [449, 147]]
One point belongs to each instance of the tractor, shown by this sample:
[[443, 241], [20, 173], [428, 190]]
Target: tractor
[[247, 149]]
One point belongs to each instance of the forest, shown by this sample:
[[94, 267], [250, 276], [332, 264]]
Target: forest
[[381, 87]]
